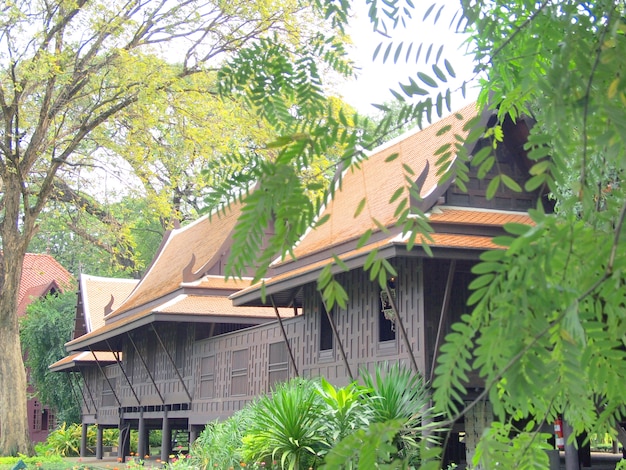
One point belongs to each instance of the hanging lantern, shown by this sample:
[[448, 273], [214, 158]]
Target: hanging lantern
[[385, 302]]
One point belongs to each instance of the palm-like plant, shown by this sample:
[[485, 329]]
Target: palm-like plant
[[400, 395], [286, 427], [65, 440], [345, 410]]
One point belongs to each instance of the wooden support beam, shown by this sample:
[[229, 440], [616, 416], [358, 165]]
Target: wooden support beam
[[172, 362], [88, 389], [74, 394], [442, 316], [116, 355], [282, 329], [333, 327], [143, 361], [119, 403]]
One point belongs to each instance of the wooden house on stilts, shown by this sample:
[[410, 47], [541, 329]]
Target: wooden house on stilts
[[189, 347]]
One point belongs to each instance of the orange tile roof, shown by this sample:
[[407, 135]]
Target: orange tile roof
[[96, 295], [377, 180], [469, 216], [203, 239], [439, 240], [218, 282], [186, 305], [214, 306], [71, 360], [446, 240], [40, 273]]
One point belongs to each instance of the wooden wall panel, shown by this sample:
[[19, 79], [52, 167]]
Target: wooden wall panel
[[357, 327]]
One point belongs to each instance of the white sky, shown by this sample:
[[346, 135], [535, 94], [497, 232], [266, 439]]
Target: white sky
[[376, 78]]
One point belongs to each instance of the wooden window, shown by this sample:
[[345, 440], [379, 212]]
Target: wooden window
[[386, 315], [239, 373], [207, 377], [108, 397], [36, 416], [52, 421], [278, 364], [326, 331]]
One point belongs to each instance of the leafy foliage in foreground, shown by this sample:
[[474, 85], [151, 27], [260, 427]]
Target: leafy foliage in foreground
[[545, 329], [547, 319]]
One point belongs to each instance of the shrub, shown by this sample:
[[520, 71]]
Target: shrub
[[345, 410], [400, 395], [286, 426], [64, 441], [219, 445]]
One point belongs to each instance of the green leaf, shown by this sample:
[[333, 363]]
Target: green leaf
[[480, 156], [449, 68], [439, 73], [481, 281], [443, 130], [376, 51], [427, 79], [517, 229], [360, 207], [428, 11], [486, 267], [322, 220], [540, 167], [477, 296], [535, 182], [364, 239], [493, 187], [511, 183], [387, 52], [397, 53], [397, 193], [339, 262]]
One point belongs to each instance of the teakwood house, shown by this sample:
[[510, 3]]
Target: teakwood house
[[185, 347]]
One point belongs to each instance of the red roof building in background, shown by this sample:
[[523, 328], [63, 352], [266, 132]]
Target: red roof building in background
[[41, 275]]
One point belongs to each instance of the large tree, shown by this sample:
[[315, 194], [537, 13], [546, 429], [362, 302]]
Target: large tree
[[108, 218], [68, 67]]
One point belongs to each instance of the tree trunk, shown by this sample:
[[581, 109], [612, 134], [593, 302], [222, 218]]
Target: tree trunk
[[14, 435]]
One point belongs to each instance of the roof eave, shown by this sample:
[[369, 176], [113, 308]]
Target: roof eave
[[252, 296], [85, 344]]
